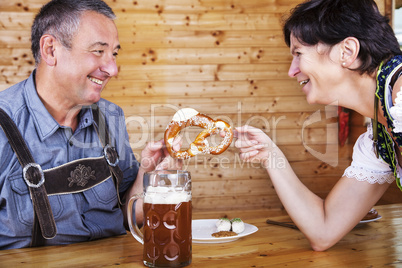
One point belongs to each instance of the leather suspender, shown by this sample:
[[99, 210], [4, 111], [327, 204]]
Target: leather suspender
[[33, 176], [44, 224], [110, 153]]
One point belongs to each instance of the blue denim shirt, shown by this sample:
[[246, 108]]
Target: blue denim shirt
[[79, 217]]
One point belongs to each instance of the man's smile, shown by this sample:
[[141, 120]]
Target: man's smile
[[95, 80]]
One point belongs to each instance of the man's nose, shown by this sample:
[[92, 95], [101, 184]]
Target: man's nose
[[110, 67]]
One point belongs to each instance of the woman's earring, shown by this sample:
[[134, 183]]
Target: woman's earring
[[343, 63]]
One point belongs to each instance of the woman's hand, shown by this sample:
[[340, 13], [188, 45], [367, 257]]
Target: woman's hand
[[254, 145]]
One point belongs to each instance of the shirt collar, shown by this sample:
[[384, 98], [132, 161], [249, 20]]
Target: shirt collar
[[86, 118]]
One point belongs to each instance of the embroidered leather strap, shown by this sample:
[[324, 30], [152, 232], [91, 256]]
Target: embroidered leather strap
[[34, 177], [76, 176], [73, 177]]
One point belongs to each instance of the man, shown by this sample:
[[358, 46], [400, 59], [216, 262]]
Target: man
[[75, 44]]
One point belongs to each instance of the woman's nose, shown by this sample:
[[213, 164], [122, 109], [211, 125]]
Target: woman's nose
[[294, 68]]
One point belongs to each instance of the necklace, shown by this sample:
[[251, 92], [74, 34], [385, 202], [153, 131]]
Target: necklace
[[374, 122]]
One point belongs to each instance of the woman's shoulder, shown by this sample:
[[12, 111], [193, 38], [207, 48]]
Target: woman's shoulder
[[366, 166]]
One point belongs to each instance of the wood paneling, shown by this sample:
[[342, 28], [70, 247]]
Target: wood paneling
[[224, 58]]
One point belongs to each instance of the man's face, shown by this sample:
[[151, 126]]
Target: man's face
[[83, 71]]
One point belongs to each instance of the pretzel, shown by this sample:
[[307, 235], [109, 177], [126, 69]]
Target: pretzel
[[189, 117]]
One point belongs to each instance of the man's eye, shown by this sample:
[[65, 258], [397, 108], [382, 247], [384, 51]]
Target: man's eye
[[98, 52], [115, 54]]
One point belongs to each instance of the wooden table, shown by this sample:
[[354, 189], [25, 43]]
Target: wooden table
[[375, 244]]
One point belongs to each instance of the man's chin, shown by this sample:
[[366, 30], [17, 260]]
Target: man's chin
[[88, 103], [93, 99]]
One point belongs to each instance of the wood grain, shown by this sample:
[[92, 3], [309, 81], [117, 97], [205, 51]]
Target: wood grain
[[224, 58], [375, 244]]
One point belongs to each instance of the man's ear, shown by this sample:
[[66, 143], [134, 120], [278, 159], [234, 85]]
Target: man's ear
[[350, 48], [47, 49]]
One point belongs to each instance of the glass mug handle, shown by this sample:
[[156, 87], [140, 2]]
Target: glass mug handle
[[135, 231]]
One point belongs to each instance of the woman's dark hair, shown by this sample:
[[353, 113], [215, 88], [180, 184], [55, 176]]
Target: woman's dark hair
[[331, 21], [61, 18]]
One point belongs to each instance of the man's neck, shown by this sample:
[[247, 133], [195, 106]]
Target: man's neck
[[62, 112]]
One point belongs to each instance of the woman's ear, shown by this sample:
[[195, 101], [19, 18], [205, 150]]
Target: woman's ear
[[47, 49], [350, 48]]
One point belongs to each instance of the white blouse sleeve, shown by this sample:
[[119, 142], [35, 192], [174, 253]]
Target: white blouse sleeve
[[365, 165]]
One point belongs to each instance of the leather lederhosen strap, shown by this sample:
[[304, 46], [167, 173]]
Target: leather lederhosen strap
[[110, 153], [34, 177], [76, 176], [72, 177]]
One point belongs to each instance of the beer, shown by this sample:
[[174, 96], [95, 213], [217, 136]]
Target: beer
[[167, 228], [166, 235]]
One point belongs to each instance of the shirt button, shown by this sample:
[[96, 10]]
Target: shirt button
[[71, 143]]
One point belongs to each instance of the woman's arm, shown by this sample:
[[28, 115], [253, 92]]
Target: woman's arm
[[323, 222]]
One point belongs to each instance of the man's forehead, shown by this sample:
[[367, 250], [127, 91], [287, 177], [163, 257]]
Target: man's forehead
[[97, 30]]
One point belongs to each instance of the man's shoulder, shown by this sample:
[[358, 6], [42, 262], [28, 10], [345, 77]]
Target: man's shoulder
[[12, 102], [11, 99]]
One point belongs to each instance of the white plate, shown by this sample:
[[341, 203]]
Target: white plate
[[202, 231], [366, 221]]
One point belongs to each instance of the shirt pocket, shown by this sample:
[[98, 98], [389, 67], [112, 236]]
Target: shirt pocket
[[22, 206], [103, 194]]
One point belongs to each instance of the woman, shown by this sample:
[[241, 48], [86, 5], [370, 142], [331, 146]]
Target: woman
[[343, 51]]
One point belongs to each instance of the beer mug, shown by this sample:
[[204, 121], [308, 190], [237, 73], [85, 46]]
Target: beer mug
[[167, 218]]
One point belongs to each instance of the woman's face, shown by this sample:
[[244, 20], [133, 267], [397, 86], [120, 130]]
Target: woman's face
[[317, 69]]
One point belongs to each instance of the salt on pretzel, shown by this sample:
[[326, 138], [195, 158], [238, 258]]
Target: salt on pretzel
[[189, 117]]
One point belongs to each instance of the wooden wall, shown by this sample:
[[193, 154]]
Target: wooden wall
[[224, 58]]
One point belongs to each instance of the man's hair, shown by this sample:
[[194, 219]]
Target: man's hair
[[61, 18], [331, 21]]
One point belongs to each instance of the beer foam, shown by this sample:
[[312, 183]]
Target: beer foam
[[184, 114], [166, 195]]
